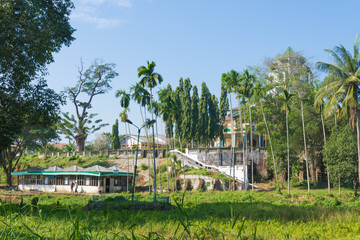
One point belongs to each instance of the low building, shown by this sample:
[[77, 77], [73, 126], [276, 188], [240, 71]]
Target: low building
[[95, 179], [130, 141]]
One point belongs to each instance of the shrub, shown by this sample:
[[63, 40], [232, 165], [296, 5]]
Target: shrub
[[143, 166], [188, 185]]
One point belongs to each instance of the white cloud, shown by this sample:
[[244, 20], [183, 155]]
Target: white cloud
[[89, 11], [98, 22]]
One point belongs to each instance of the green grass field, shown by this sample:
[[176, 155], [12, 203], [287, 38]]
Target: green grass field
[[200, 215]]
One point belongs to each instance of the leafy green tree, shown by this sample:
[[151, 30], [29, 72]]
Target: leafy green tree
[[344, 87], [31, 31], [224, 107], [214, 118], [178, 111], [167, 109], [340, 155], [38, 109], [115, 141], [92, 82], [186, 111], [195, 134], [203, 114]]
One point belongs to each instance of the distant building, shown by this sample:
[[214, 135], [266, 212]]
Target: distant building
[[239, 137], [90, 180], [288, 69], [130, 141], [59, 145]]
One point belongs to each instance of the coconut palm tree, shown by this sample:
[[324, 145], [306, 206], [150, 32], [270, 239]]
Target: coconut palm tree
[[286, 97], [345, 86], [151, 79]]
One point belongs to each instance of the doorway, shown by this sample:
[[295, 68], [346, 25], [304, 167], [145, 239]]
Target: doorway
[[107, 185]]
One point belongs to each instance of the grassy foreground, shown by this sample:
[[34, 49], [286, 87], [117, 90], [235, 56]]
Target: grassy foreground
[[201, 215]]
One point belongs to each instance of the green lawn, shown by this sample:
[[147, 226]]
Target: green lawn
[[216, 215]]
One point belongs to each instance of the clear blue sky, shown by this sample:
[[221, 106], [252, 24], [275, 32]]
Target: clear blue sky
[[199, 39]]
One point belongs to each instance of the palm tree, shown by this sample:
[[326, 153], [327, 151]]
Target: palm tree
[[247, 89], [167, 111], [151, 79], [319, 107], [156, 110], [345, 86], [286, 97], [124, 103], [231, 80], [259, 93]]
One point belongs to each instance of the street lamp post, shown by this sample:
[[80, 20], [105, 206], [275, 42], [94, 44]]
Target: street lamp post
[[137, 150]]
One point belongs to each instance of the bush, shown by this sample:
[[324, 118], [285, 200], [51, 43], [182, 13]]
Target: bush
[[163, 167], [143, 166]]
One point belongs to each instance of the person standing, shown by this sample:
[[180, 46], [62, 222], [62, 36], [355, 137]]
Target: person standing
[[76, 186], [71, 186]]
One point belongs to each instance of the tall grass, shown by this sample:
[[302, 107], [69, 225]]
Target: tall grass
[[217, 215]]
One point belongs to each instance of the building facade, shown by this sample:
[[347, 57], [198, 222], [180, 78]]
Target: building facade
[[95, 179]]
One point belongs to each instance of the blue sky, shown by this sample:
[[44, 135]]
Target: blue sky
[[199, 39]]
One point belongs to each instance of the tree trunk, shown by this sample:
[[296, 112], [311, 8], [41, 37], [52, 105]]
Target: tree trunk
[[152, 127], [271, 148], [127, 172], [251, 150], [242, 139], [232, 138], [245, 145], [358, 141], [327, 171], [288, 150], [306, 159], [80, 143]]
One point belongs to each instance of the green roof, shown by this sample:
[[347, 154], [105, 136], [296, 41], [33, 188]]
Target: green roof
[[74, 170]]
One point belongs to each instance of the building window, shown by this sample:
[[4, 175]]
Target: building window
[[66, 181], [87, 181]]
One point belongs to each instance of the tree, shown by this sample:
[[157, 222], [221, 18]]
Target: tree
[[102, 142], [344, 87], [214, 118], [151, 79], [203, 114], [260, 93], [247, 84], [31, 31], [286, 97], [92, 82], [38, 109], [224, 107], [195, 134], [178, 111], [115, 141], [340, 155], [186, 111]]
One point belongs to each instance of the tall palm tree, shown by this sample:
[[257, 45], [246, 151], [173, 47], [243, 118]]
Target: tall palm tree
[[151, 79], [248, 80], [319, 107], [167, 111], [345, 86], [124, 103], [259, 93], [231, 80], [286, 97]]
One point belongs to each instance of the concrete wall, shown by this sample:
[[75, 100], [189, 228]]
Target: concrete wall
[[58, 188]]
